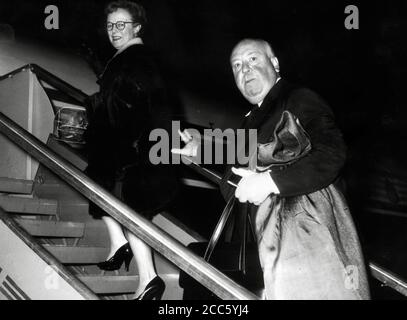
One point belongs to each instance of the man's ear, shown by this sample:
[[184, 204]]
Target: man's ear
[[275, 63], [136, 29]]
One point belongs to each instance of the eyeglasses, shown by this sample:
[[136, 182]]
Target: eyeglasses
[[120, 25]]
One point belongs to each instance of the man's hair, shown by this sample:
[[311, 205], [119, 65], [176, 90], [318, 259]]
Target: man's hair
[[269, 49], [137, 12]]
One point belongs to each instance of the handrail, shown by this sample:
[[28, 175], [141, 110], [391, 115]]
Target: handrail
[[388, 278], [59, 268], [12, 73], [51, 79], [172, 249], [381, 274], [58, 83]]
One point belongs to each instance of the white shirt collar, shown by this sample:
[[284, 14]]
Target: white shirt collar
[[278, 79]]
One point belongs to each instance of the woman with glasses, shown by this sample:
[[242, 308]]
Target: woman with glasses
[[131, 102]]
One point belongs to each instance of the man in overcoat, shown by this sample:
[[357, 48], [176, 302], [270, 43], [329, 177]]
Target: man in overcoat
[[307, 242]]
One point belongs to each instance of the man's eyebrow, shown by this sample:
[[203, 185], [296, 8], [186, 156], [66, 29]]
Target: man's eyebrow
[[239, 57]]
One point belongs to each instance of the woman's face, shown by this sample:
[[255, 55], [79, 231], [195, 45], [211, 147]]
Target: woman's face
[[118, 38]]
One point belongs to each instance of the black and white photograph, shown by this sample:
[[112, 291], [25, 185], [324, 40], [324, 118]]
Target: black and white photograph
[[191, 152]]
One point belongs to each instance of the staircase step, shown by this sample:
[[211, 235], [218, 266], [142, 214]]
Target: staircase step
[[56, 190], [388, 212], [72, 206], [71, 210], [100, 284], [382, 195], [49, 185], [92, 255], [67, 152], [381, 180], [28, 205], [16, 185], [44, 228], [126, 284], [77, 254]]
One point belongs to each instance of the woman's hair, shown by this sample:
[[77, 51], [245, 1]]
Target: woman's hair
[[136, 11]]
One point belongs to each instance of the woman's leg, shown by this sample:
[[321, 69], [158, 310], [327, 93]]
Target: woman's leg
[[144, 261], [116, 235]]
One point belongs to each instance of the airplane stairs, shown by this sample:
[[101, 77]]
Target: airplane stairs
[[50, 245], [56, 217]]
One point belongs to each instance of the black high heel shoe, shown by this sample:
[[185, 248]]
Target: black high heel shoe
[[123, 254], [153, 291]]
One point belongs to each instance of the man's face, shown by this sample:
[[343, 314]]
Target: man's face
[[254, 70], [119, 38]]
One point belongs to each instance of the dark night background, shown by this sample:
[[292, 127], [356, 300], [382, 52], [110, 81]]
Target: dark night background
[[359, 72]]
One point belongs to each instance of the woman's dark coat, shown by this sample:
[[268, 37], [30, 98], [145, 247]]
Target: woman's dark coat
[[131, 102]]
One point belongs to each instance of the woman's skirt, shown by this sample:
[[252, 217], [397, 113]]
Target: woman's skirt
[[146, 189]]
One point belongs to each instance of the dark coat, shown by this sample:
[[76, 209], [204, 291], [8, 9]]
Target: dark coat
[[131, 102], [308, 246]]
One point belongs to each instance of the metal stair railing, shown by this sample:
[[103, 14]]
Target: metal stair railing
[[172, 249]]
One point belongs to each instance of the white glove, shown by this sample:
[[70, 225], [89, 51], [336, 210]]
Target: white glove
[[254, 187]]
